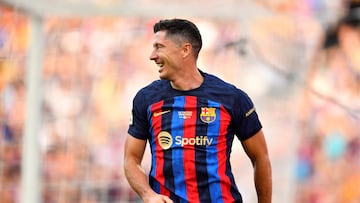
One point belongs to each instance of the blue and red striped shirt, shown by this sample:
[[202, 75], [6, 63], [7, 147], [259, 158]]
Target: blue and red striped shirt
[[190, 135]]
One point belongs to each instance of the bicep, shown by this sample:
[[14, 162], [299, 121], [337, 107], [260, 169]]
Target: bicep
[[134, 149], [255, 146]]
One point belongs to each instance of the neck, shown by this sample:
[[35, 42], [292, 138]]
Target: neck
[[188, 81]]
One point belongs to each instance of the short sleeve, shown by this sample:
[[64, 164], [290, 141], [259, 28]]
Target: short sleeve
[[139, 126], [246, 120]]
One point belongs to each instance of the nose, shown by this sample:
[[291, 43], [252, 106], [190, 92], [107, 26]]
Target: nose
[[153, 55]]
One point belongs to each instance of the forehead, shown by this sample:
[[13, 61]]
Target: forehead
[[160, 37], [160, 34]]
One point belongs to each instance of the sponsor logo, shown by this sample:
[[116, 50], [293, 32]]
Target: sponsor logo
[[208, 114], [198, 140], [165, 140], [159, 113]]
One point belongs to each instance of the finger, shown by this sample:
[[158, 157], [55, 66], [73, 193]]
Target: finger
[[167, 199]]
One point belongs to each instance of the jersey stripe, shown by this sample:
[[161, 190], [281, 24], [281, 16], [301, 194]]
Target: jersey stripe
[[212, 158], [155, 184], [159, 155], [168, 157], [223, 150], [178, 169], [189, 153], [200, 156]]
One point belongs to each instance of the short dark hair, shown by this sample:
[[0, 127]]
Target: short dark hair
[[183, 28]]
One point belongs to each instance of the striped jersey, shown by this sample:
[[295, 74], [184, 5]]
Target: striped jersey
[[190, 135]]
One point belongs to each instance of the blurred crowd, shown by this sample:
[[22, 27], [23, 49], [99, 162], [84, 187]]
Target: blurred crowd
[[328, 168], [93, 67]]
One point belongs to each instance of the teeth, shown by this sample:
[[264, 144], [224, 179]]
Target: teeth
[[160, 65]]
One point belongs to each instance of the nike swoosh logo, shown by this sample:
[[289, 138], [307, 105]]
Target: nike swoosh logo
[[156, 114]]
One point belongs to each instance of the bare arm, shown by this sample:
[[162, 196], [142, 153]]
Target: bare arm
[[133, 155], [256, 148]]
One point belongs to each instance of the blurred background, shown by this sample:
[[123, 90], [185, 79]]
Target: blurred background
[[70, 68]]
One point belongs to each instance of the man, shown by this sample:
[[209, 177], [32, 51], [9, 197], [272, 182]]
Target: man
[[190, 118]]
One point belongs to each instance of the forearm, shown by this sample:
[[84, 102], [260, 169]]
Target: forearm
[[137, 179], [263, 179]]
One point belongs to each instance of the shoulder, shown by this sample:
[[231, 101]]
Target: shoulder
[[216, 83], [232, 97], [153, 87], [152, 90]]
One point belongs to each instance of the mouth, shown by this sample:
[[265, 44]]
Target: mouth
[[160, 65]]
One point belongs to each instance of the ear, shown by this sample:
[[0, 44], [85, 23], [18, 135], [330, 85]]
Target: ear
[[186, 50]]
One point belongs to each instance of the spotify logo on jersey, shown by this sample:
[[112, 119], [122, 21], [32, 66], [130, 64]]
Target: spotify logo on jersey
[[165, 140]]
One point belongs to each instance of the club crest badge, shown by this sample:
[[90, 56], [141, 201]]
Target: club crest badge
[[208, 114]]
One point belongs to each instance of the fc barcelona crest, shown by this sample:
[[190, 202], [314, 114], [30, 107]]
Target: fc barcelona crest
[[208, 114]]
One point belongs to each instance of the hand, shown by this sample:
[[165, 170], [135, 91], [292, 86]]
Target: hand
[[157, 198]]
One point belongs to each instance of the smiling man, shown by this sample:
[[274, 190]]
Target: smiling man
[[190, 119]]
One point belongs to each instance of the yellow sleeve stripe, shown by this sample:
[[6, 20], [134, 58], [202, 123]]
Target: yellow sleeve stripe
[[250, 112]]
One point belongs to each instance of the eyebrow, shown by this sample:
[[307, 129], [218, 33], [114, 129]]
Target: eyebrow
[[156, 44]]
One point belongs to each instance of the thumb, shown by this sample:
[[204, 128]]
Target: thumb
[[167, 199]]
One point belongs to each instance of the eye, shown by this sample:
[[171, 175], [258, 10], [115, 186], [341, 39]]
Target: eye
[[158, 46]]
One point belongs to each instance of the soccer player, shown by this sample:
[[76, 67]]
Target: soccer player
[[190, 118]]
